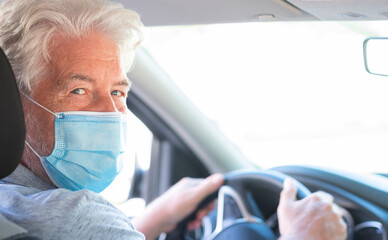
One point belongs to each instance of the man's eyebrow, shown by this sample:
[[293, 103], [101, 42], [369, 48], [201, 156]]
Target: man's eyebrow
[[124, 82], [80, 77], [73, 76], [77, 76]]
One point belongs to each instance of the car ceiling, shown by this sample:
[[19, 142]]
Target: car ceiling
[[186, 12]]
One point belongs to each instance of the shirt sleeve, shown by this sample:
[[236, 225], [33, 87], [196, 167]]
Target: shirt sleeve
[[96, 218], [64, 214]]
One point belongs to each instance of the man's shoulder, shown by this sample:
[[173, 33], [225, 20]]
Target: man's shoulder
[[59, 212], [30, 193], [22, 198]]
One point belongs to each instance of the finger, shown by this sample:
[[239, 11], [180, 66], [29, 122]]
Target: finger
[[323, 197], [197, 222], [201, 214], [210, 206], [194, 224], [342, 213], [289, 191], [209, 185], [206, 210], [337, 210]]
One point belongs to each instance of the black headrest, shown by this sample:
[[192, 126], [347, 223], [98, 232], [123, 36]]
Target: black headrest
[[12, 128]]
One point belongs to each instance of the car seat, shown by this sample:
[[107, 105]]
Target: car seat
[[12, 136]]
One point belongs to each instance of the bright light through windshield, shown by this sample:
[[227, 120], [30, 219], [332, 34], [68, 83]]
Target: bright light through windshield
[[284, 93]]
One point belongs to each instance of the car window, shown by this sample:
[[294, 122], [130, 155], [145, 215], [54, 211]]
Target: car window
[[285, 92]]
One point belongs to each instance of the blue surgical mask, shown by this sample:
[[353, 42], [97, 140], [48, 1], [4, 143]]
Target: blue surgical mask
[[89, 149]]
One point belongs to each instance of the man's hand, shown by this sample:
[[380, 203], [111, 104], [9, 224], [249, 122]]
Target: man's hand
[[315, 217], [165, 212]]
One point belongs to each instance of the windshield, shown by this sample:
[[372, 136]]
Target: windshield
[[284, 92]]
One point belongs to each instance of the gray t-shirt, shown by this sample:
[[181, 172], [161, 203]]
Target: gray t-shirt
[[51, 213]]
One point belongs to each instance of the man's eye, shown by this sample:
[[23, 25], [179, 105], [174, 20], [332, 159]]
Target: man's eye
[[117, 93], [78, 91]]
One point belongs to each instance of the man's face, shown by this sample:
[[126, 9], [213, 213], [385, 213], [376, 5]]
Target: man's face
[[84, 75]]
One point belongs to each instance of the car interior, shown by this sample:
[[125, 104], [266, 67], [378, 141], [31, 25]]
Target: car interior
[[185, 143]]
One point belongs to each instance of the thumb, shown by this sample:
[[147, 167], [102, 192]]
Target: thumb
[[288, 194], [209, 185]]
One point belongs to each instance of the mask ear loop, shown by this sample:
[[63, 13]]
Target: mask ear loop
[[43, 164], [48, 110], [33, 150], [57, 115], [113, 102]]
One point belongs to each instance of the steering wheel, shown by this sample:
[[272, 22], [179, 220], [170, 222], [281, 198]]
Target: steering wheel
[[238, 215]]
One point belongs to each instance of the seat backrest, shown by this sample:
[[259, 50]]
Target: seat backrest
[[12, 128], [12, 136]]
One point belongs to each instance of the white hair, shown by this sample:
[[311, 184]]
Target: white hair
[[28, 26]]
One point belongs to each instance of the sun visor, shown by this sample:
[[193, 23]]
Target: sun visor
[[12, 128]]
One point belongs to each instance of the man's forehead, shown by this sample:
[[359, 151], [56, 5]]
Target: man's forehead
[[94, 58]]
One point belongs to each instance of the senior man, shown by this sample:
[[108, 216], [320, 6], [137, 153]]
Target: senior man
[[70, 59]]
